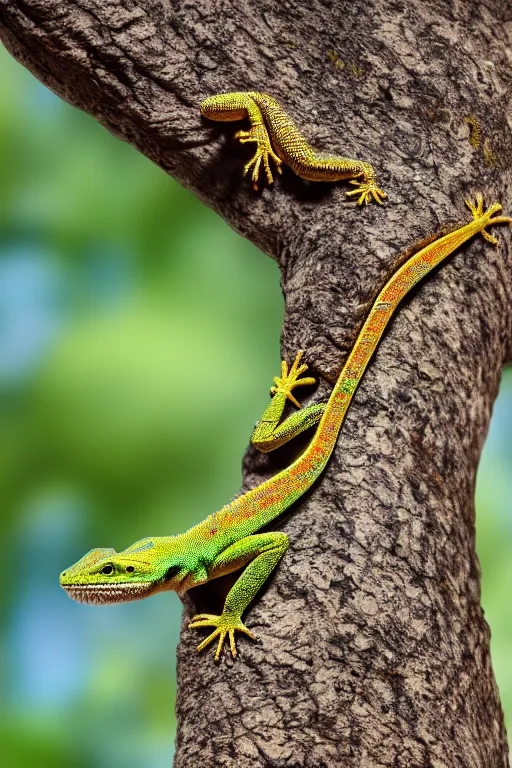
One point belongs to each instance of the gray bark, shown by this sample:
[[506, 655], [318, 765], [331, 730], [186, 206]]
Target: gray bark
[[373, 648]]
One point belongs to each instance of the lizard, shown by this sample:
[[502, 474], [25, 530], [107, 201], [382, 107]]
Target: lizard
[[228, 540], [277, 138]]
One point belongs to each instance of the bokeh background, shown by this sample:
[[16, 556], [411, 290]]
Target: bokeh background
[[138, 339]]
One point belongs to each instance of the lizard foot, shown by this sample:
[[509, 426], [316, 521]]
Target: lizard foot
[[291, 379], [258, 135], [366, 190], [225, 625], [487, 217]]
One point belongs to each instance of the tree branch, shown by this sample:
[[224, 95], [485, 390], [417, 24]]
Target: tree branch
[[374, 650]]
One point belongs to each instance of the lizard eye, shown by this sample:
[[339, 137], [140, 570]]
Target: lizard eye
[[107, 570], [130, 569]]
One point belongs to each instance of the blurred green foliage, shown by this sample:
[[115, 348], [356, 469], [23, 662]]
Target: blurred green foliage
[[127, 309]]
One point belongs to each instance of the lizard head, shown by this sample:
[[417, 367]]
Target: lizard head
[[106, 576]]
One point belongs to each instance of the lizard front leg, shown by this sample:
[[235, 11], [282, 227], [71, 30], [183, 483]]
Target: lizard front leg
[[261, 553], [236, 106], [269, 433], [258, 134]]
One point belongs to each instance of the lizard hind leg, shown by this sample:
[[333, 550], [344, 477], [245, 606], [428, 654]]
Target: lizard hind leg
[[269, 433]]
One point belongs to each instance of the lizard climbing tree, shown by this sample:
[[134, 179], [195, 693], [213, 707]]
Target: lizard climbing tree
[[375, 651]]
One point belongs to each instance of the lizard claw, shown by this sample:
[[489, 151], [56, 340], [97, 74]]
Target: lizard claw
[[258, 135], [366, 190], [291, 379], [487, 217], [225, 626]]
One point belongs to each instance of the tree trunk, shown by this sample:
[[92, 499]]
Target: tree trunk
[[373, 648]]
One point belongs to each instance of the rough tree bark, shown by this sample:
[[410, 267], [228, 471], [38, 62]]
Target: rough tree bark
[[374, 651]]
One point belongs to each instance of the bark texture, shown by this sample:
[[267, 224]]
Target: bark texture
[[373, 648]]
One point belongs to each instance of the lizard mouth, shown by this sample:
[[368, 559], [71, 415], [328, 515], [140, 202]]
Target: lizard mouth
[[102, 594]]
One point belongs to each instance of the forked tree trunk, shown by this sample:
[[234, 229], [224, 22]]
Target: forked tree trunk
[[373, 648]]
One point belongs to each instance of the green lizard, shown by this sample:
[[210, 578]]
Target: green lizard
[[269, 121], [228, 540]]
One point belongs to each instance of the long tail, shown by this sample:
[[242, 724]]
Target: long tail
[[262, 504]]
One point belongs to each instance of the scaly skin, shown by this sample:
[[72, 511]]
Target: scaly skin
[[228, 540], [271, 127]]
